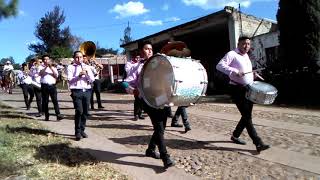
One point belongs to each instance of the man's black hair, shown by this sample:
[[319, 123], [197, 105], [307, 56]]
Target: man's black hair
[[241, 38], [45, 55], [142, 43]]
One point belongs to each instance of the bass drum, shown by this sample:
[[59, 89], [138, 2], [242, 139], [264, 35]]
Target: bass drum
[[172, 81]]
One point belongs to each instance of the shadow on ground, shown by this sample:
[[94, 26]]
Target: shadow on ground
[[180, 144], [71, 156]]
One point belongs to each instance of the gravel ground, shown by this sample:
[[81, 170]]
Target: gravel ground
[[211, 162]]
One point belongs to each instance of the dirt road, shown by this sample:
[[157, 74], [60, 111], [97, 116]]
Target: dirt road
[[206, 151]]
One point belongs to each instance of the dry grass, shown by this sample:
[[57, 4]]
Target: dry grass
[[29, 150]]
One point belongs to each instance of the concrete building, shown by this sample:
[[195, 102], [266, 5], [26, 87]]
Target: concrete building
[[265, 49], [209, 38], [113, 66]]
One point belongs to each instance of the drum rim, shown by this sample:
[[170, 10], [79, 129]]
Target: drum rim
[[140, 80]]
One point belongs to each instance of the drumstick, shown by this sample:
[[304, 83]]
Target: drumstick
[[260, 77], [259, 69]]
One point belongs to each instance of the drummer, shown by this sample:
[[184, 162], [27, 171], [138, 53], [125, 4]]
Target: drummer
[[158, 116], [237, 65]]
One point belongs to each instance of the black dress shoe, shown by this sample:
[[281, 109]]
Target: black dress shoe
[[168, 162], [84, 135], [152, 153], [100, 107], [136, 118], [238, 140], [60, 117], [28, 107], [92, 107], [140, 117], [176, 125], [78, 137], [46, 118], [38, 115], [262, 147], [187, 128]]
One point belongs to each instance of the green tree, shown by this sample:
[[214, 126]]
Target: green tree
[[102, 51], [53, 38], [4, 61], [126, 37], [7, 10], [299, 47], [60, 52], [28, 58]]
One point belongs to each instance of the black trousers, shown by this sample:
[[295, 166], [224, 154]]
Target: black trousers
[[46, 91], [245, 108], [27, 91], [37, 92], [96, 89], [159, 120], [181, 111], [81, 105], [137, 106]]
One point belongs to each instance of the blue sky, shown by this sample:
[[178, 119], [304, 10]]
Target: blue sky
[[104, 21]]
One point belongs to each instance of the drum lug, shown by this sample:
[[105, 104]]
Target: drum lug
[[204, 82]]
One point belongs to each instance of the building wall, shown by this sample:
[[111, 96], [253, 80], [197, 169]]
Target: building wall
[[259, 45]]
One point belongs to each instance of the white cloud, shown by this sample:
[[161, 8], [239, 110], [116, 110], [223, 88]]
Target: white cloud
[[165, 7], [22, 13], [129, 9], [173, 19], [218, 4], [152, 23]]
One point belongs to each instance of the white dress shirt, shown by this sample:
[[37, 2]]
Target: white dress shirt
[[77, 82], [34, 73], [48, 77], [23, 78], [7, 67]]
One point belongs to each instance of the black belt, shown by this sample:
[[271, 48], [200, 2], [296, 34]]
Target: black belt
[[80, 90]]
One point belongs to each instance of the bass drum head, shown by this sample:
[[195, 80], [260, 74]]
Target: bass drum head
[[156, 81]]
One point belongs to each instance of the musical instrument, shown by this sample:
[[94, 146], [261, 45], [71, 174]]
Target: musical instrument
[[35, 84], [89, 49], [172, 81], [261, 93]]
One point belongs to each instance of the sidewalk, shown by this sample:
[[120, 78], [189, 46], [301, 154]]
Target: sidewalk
[[127, 161]]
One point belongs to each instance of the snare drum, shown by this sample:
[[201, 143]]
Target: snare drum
[[172, 81], [261, 93]]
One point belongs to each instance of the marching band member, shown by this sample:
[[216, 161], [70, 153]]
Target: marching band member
[[235, 64], [138, 104], [49, 75], [80, 78], [25, 84], [34, 73], [158, 116], [96, 83]]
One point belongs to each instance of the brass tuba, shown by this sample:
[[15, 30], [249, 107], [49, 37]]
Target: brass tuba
[[89, 49]]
